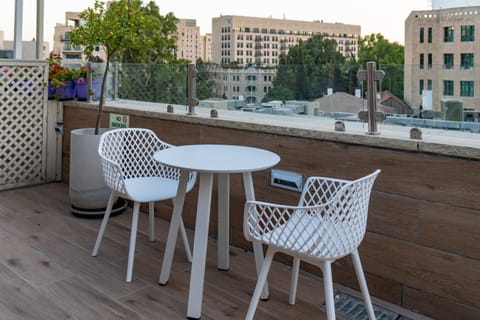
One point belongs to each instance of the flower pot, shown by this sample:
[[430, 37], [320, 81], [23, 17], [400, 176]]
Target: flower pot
[[88, 191], [65, 92], [81, 88], [51, 91], [96, 88]]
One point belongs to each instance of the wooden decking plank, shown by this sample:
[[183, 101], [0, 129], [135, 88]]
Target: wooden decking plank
[[20, 300], [85, 302]]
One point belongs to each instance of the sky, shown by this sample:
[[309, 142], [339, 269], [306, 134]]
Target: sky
[[374, 16]]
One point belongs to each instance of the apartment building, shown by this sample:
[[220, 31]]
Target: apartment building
[[62, 45], [260, 41], [250, 84], [207, 47], [442, 55], [189, 41]]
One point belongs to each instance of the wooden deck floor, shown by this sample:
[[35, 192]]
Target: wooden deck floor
[[46, 271]]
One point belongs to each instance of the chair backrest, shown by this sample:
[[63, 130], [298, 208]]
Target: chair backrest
[[128, 153], [347, 215]]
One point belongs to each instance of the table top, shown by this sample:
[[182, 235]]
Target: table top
[[217, 158]]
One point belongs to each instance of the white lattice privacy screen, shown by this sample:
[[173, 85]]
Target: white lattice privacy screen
[[23, 105]]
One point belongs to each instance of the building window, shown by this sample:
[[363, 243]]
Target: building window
[[466, 88], [429, 84], [422, 35], [420, 86], [429, 61], [466, 60], [467, 33], [422, 62], [448, 87], [430, 36], [448, 34], [448, 60]]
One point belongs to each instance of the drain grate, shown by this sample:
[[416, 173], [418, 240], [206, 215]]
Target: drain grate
[[353, 308]]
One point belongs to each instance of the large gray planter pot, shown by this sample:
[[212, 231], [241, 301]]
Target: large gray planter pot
[[88, 192]]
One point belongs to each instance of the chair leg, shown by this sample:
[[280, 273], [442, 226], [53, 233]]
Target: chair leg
[[294, 281], [183, 233], [133, 238], [186, 244], [328, 289], [363, 284], [262, 278], [113, 198], [151, 218]]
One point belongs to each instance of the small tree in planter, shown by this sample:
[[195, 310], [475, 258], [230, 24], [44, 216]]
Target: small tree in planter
[[119, 27], [115, 28]]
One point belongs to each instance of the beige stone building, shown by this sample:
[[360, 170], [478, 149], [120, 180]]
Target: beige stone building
[[207, 47], [62, 45], [189, 40], [260, 41], [442, 56], [249, 84]]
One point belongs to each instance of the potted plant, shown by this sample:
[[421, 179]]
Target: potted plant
[[119, 26], [60, 78]]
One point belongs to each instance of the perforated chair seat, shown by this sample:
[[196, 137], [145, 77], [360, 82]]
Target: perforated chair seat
[[312, 229], [147, 189]]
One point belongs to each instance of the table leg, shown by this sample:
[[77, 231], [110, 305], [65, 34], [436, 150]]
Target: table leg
[[174, 226], [257, 246], [223, 221], [197, 274]]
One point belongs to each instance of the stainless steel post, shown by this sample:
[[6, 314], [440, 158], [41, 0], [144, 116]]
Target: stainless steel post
[[116, 77], [89, 81], [191, 101], [371, 99]]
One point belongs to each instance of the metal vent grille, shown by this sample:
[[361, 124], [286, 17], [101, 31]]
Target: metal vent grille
[[22, 123], [351, 307]]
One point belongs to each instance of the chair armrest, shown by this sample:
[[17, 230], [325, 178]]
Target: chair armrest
[[113, 176]]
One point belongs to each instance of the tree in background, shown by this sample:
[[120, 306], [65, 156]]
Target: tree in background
[[205, 85], [160, 43], [389, 57], [308, 70]]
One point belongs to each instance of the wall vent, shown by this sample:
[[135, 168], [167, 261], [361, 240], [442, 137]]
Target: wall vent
[[287, 180], [352, 308]]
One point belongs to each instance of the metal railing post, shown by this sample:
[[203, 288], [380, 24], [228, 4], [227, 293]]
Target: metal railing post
[[116, 77], [89, 81], [191, 100], [371, 115], [371, 99]]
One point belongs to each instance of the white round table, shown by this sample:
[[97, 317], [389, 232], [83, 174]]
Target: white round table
[[207, 160]]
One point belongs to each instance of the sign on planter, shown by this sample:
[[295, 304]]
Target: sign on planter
[[119, 120]]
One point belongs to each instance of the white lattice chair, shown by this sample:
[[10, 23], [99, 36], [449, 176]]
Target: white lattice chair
[[131, 173], [328, 223]]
